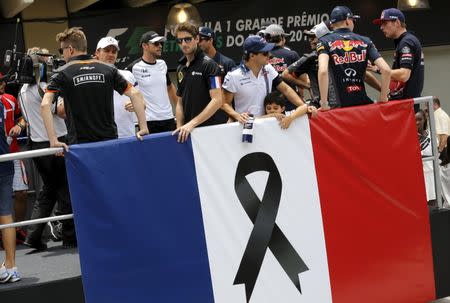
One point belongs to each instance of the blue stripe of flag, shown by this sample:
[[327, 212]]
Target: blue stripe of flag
[[139, 241]]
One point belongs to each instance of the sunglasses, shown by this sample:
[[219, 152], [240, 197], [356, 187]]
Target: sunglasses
[[158, 43], [61, 49], [185, 39]]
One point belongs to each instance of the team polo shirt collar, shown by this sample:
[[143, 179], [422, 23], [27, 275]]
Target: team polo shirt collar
[[244, 67], [397, 41], [80, 57], [198, 56], [343, 30]]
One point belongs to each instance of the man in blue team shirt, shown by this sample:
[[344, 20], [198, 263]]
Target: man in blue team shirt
[[346, 55], [8, 269], [407, 74], [206, 44]]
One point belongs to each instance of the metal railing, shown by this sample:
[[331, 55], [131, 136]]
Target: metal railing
[[27, 155], [52, 151], [435, 154]]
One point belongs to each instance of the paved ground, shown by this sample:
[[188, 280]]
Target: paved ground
[[55, 263]]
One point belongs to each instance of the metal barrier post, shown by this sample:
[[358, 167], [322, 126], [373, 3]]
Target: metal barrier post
[[435, 156]]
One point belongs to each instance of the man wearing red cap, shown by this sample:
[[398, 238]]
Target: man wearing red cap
[[407, 74]]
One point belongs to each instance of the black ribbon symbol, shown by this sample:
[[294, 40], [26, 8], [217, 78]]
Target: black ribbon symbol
[[265, 233]]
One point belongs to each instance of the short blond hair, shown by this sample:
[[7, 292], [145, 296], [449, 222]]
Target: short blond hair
[[74, 37]]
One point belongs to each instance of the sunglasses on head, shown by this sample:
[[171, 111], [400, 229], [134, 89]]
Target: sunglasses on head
[[185, 39]]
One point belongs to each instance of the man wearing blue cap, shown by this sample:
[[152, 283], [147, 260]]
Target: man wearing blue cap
[[408, 67], [206, 43], [252, 81], [346, 55]]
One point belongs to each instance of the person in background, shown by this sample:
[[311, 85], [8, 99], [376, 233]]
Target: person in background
[[152, 79], [426, 151], [206, 43], [51, 169], [442, 121], [8, 268], [281, 56], [107, 51], [14, 125]]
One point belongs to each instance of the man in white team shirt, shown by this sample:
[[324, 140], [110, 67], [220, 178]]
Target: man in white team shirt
[[51, 168], [107, 51], [252, 81], [154, 83]]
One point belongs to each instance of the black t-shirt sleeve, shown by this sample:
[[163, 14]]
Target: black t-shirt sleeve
[[212, 74], [372, 52], [406, 50], [277, 81], [119, 82], [229, 66], [295, 56], [322, 47], [55, 84], [168, 81], [302, 66]]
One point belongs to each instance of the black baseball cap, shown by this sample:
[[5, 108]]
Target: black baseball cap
[[341, 13], [206, 32], [152, 37]]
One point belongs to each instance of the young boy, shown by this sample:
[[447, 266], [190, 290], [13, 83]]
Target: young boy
[[274, 104], [8, 269]]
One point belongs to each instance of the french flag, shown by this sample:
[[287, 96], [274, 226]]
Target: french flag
[[215, 82], [332, 209]]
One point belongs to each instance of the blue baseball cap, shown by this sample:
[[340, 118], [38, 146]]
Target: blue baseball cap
[[390, 14], [206, 32], [341, 13], [257, 44]]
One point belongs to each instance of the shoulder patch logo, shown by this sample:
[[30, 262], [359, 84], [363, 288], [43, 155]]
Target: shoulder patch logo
[[406, 50]]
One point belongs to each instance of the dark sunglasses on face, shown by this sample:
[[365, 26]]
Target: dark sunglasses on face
[[185, 39], [61, 49], [157, 43]]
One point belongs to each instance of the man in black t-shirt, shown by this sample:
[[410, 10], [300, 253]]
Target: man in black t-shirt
[[407, 74], [87, 88], [346, 55], [308, 65], [199, 84]]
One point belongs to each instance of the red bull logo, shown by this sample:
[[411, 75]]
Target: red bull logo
[[346, 45], [349, 57]]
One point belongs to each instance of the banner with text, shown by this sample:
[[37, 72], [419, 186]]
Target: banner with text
[[233, 21]]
